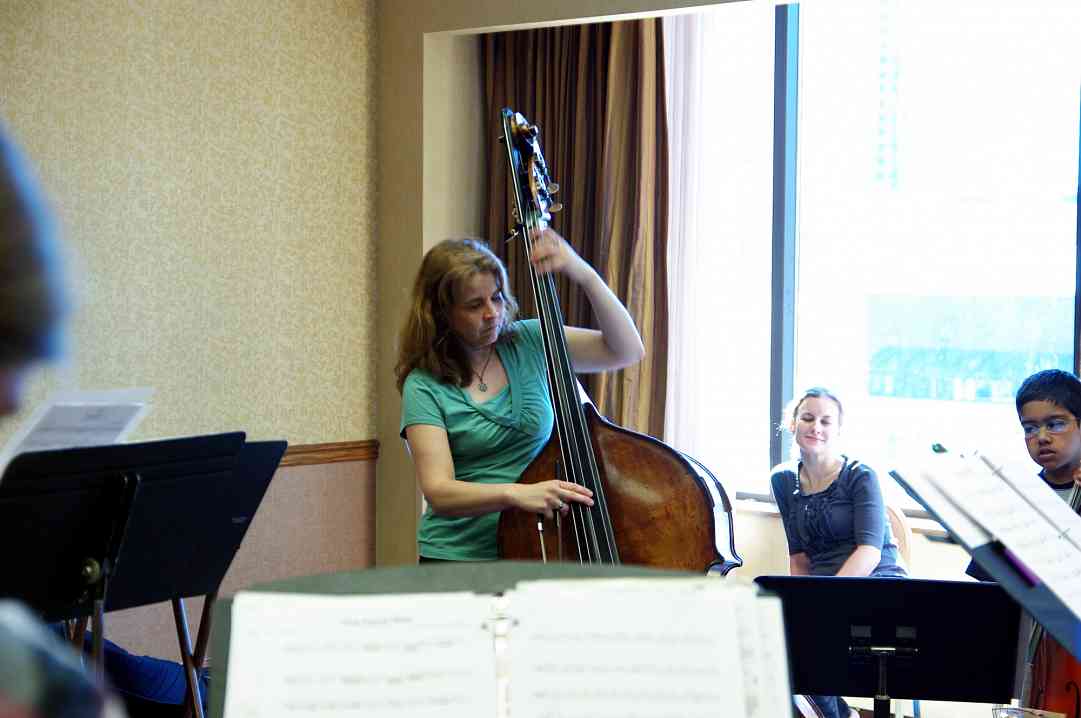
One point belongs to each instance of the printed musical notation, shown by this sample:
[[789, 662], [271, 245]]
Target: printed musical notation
[[925, 490], [1037, 528], [547, 649], [617, 650], [79, 418], [376, 656]]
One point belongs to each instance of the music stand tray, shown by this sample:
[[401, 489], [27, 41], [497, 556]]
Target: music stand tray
[[934, 640]]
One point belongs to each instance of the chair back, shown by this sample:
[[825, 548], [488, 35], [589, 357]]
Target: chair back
[[902, 534]]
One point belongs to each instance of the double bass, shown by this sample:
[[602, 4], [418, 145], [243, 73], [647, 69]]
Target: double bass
[[653, 506]]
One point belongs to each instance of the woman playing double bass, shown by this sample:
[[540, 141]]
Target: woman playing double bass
[[475, 406]]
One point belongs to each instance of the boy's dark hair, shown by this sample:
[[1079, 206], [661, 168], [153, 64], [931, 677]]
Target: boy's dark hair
[[1054, 385]]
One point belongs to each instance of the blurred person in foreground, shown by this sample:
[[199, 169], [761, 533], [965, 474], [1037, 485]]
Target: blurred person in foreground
[[40, 675]]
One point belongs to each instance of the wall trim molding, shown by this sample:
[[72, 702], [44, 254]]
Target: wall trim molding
[[312, 454]]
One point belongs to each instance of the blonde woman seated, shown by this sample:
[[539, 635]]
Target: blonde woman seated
[[831, 507]]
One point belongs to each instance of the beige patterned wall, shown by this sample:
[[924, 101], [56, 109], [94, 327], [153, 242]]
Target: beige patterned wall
[[213, 164]]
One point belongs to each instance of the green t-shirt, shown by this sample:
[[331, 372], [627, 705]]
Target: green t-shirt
[[491, 442]]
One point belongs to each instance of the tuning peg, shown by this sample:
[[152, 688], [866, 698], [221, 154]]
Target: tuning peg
[[552, 188], [514, 213], [501, 138], [510, 235], [555, 207]]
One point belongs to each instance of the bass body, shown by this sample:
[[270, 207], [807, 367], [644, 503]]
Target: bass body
[[665, 510]]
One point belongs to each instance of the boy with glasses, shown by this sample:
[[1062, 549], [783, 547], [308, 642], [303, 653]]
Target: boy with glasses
[[1048, 405]]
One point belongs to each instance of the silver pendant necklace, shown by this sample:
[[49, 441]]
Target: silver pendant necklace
[[480, 377]]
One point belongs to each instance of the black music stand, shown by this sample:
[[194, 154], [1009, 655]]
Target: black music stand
[[112, 527], [886, 638]]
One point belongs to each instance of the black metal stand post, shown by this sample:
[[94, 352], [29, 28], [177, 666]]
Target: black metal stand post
[[882, 656]]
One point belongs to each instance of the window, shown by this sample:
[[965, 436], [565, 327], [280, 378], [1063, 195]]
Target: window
[[933, 233], [937, 222]]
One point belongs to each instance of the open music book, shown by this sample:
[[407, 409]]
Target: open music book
[[546, 649], [1016, 527]]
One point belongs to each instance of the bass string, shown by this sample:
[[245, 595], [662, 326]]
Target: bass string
[[579, 461], [571, 440], [572, 465], [572, 468]]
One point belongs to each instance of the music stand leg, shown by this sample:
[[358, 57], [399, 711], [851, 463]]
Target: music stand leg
[[78, 636], [202, 639], [882, 698], [97, 651], [184, 638], [882, 655]]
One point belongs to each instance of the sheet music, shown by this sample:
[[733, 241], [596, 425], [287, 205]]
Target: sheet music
[[601, 648], [984, 496], [79, 418], [1042, 498], [384, 656], [969, 533], [625, 649], [762, 652]]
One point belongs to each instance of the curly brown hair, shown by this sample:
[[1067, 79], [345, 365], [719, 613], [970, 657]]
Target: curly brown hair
[[426, 340]]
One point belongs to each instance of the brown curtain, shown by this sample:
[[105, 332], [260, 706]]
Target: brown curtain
[[597, 94]]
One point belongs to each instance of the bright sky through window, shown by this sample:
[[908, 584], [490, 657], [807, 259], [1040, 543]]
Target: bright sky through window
[[938, 171]]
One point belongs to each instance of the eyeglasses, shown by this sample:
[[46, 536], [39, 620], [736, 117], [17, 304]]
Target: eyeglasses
[[1053, 426]]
